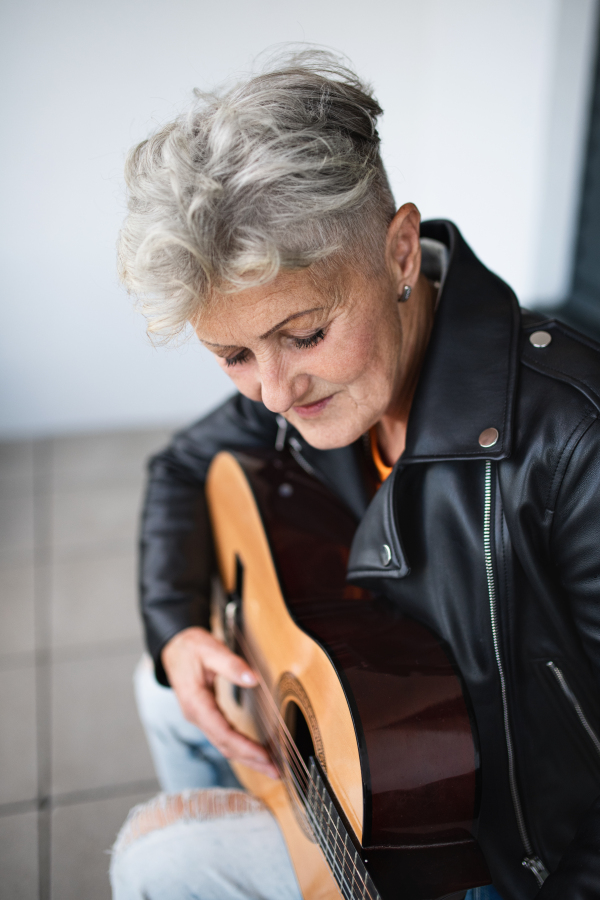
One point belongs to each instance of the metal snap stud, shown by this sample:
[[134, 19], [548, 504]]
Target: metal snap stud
[[489, 437], [386, 555], [540, 338], [285, 490]]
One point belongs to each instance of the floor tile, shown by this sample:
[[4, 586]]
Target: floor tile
[[94, 598], [96, 736], [92, 518], [106, 457], [16, 608], [18, 776], [16, 521], [82, 835], [16, 462], [18, 857]]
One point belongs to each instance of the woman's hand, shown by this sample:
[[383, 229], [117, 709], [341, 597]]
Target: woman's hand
[[191, 660]]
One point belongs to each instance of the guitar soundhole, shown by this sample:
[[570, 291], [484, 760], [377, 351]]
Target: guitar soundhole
[[301, 723], [300, 732]]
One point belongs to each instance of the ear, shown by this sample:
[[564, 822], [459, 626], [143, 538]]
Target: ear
[[403, 248]]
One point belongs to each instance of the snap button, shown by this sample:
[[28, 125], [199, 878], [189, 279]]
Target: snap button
[[540, 338], [285, 489], [489, 437], [386, 555]]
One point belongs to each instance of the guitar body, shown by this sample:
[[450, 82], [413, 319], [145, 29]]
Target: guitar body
[[368, 693]]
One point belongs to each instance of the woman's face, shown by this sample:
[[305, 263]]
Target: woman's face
[[324, 353], [329, 352]]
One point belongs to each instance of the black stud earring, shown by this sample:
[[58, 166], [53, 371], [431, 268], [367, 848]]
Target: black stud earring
[[405, 294]]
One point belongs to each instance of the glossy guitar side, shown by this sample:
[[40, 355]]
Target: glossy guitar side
[[369, 693]]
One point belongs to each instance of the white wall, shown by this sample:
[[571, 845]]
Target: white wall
[[485, 111]]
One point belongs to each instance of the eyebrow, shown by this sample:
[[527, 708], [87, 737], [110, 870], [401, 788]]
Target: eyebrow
[[268, 333]]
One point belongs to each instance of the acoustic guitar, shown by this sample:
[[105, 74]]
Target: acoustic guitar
[[360, 706]]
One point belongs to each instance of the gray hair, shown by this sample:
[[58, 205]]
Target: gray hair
[[279, 172]]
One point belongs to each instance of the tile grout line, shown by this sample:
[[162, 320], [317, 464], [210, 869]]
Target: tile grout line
[[84, 795], [42, 471]]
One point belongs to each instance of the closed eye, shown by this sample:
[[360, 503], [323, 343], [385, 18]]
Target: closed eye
[[240, 357], [311, 341], [301, 343]]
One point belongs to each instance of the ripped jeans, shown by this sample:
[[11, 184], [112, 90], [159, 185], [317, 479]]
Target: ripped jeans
[[204, 838]]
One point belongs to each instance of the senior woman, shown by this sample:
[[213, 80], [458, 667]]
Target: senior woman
[[463, 432]]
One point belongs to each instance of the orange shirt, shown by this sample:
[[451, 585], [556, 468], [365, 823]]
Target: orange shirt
[[381, 467]]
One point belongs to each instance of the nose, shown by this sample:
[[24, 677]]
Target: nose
[[279, 388]]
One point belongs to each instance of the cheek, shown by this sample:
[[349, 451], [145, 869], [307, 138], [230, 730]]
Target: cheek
[[349, 358], [244, 377]]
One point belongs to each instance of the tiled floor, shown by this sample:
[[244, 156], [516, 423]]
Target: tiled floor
[[73, 758]]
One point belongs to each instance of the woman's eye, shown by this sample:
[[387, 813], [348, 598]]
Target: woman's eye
[[240, 357], [301, 343], [311, 341]]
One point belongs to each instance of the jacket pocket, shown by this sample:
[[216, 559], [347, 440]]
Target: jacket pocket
[[566, 691]]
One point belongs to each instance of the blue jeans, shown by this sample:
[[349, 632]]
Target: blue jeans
[[204, 838]]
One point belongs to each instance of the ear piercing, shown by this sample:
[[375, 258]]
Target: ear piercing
[[405, 294]]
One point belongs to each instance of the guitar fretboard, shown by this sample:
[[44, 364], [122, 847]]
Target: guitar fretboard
[[345, 864]]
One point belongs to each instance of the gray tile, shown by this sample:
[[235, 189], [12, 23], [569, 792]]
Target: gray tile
[[16, 462], [18, 857], [106, 457], [95, 517], [94, 599], [16, 521], [82, 835], [16, 609], [96, 736], [18, 777]]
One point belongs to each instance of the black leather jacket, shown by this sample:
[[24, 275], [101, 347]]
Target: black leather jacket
[[496, 549]]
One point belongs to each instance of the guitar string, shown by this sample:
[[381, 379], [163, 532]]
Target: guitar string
[[266, 695], [341, 862], [283, 730], [337, 844], [345, 866], [294, 758]]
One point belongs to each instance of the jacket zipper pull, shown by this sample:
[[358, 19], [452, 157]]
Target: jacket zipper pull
[[281, 432], [537, 867]]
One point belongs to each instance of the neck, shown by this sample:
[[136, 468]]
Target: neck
[[417, 321]]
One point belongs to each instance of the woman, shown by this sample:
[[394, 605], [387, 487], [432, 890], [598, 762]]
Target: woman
[[385, 355]]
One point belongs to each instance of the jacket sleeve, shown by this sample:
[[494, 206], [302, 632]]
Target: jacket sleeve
[[176, 553], [576, 549]]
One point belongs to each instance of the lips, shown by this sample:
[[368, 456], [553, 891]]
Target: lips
[[310, 410]]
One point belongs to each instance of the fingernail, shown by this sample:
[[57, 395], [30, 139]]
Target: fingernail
[[247, 678]]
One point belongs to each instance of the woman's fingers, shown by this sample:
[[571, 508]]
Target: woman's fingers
[[196, 647], [202, 709], [191, 659], [220, 660]]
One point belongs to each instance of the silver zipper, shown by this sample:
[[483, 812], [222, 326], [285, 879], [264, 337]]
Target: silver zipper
[[282, 426], [530, 861], [296, 452], [575, 704]]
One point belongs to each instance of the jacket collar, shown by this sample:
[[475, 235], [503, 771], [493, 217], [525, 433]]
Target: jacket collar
[[468, 380]]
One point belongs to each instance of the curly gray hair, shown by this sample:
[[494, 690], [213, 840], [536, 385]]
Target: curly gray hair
[[281, 171]]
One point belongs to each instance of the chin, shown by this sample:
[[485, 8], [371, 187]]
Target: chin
[[327, 436]]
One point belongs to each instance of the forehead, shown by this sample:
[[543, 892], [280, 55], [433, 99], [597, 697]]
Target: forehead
[[235, 316]]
